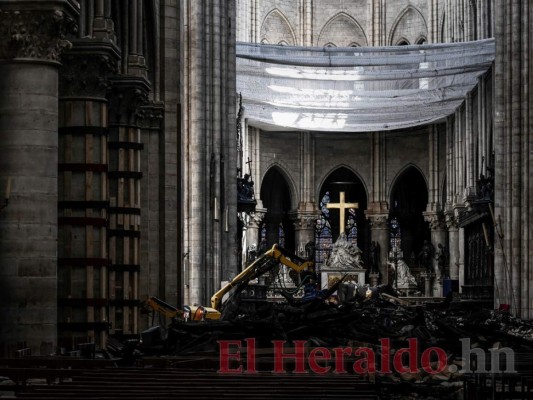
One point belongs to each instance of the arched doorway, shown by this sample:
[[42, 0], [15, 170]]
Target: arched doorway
[[276, 197], [328, 224], [409, 198]]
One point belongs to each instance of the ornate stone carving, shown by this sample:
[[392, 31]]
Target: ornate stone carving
[[37, 34], [86, 75], [379, 221], [451, 221], [304, 220], [128, 95], [151, 116], [256, 219], [436, 221]]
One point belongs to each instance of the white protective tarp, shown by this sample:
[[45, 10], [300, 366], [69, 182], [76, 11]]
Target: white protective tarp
[[357, 89]]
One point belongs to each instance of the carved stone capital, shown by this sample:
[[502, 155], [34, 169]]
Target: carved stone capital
[[256, 218], [151, 115], [128, 94], [38, 34], [436, 221], [304, 220], [378, 221], [451, 221], [87, 68]]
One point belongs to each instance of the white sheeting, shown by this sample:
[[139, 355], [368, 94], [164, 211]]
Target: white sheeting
[[357, 89]]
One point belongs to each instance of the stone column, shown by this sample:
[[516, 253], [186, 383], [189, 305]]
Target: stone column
[[304, 230], [453, 250], [30, 45], [438, 236], [128, 95], [208, 145], [83, 194], [513, 202], [253, 228], [379, 231], [152, 277]]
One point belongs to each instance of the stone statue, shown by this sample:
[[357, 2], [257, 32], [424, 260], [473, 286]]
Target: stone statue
[[310, 250], [252, 253], [405, 280], [441, 258], [245, 188], [344, 255], [374, 256], [426, 256]]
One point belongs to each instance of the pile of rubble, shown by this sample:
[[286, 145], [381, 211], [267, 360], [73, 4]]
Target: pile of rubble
[[361, 322]]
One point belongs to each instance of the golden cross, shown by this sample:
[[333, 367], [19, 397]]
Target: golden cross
[[342, 206]]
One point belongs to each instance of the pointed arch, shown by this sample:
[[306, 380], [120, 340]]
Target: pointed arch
[[402, 171], [276, 28], [341, 178], [409, 24], [408, 199], [283, 170], [276, 197], [343, 30], [337, 167]]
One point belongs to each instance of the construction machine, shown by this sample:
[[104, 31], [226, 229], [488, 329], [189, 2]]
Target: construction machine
[[262, 265]]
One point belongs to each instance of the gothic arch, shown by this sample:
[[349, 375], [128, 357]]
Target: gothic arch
[[277, 198], [402, 171], [408, 200], [342, 178], [283, 170], [410, 24], [343, 30], [402, 42], [276, 28], [335, 168]]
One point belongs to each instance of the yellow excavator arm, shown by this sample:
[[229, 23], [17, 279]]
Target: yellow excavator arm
[[263, 264], [260, 266]]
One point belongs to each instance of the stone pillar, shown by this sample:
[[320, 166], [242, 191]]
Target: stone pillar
[[128, 95], [208, 145], [253, 229], [453, 250], [513, 202], [83, 194], [438, 236], [304, 230], [152, 277], [379, 231], [31, 41], [172, 254]]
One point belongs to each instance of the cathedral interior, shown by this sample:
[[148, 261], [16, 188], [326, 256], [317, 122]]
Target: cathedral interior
[[156, 147]]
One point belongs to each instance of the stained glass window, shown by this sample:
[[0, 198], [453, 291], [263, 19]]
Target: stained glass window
[[323, 236], [281, 235], [395, 234], [351, 226]]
